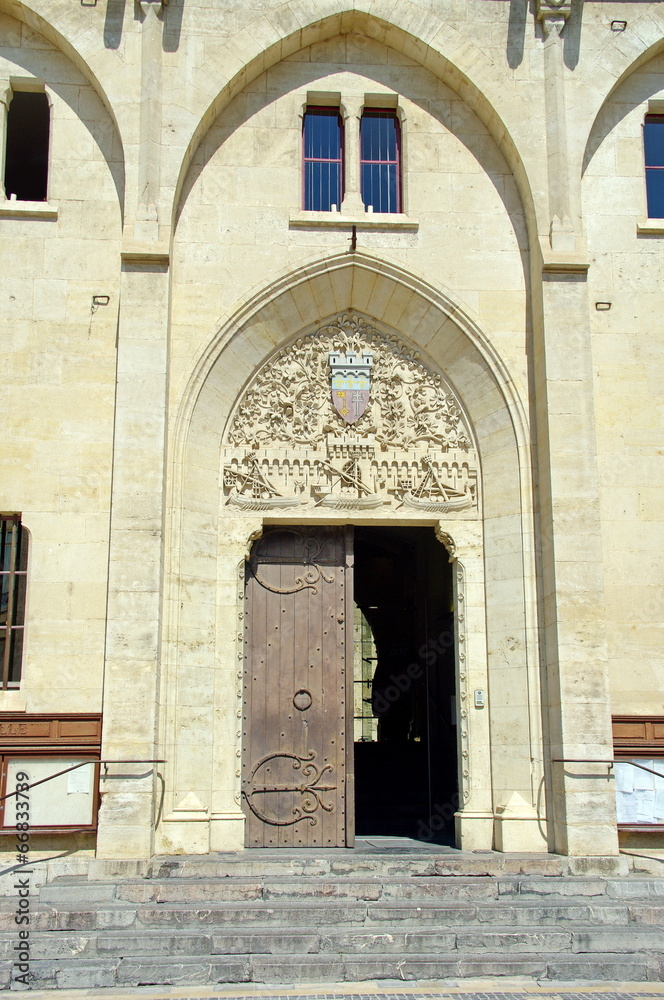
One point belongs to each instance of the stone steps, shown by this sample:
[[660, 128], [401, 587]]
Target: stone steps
[[330, 968], [268, 940], [175, 923], [173, 890], [528, 912]]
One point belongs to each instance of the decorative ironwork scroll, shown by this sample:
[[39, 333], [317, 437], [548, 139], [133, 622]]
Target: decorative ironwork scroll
[[310, 551], [309, 788]]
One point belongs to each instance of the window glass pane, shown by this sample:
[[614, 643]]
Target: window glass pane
[[322, 185], [379, 186], [19, 599], [322, 134], [655, 193], [378, 136], [4, 597], [8, 529], [15, 655], [653, 140]]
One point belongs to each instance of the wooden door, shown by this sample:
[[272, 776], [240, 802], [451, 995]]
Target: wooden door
[[298, 735]]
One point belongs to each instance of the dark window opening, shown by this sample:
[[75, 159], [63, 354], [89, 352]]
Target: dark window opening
[[653, 141], [380, 155], [13, 574], [322, 135], [26, 158]]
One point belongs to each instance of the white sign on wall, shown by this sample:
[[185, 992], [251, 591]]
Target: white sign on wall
[[640, 794]]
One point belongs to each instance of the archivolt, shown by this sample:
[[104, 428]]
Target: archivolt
[[357, 283], [36, 22], [417, 33]]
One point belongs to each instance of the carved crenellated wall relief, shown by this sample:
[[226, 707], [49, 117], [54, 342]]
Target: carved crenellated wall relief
[[349, 418]]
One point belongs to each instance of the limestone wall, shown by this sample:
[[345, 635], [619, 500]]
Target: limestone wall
[[175, 190], [59, 374], [628, 354]]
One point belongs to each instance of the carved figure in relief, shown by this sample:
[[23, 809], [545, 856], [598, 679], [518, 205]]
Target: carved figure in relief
[[349, 417]]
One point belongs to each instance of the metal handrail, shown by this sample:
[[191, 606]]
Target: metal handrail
[[592, 760], [83, 763]]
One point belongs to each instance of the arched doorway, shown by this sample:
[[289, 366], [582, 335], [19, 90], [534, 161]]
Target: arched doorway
[[228, 497], [348, 673]]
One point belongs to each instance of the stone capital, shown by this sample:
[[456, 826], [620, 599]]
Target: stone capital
[[553, 14], [147, 5]]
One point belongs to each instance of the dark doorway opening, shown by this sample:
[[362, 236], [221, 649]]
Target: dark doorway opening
[[405, 740]]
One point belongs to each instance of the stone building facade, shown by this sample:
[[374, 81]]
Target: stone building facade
[[174, 315]]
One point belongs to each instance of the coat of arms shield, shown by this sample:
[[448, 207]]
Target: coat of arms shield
[[351, 383]]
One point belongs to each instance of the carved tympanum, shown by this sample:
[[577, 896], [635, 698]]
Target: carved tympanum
[[290, 441]]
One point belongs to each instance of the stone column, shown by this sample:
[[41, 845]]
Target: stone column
[[135, 568], [474, 816], [352, 203], [133, 629], [579, 718], [146, 226], [553, 15], [578, 712]]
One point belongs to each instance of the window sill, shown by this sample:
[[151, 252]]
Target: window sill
[[369, 220], [29, 209], [653, 227]]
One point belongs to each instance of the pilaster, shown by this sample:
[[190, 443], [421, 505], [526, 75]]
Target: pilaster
[[579, 721], [132, 657], [474, 814], [553, 17]]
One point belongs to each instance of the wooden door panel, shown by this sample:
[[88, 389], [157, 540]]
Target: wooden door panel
[[295, 766]]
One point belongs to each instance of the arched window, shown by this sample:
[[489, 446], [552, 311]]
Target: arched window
[[653, 141], [322, 142], [380, 160], [13, 573]]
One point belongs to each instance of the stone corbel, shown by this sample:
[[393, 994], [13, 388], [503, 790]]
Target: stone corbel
[[147, 5], [553, 15]]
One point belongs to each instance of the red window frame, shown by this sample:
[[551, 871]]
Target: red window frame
[[653, 119], [385, 113], [328, 109]]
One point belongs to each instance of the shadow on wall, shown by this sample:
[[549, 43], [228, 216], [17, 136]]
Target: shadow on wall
[[171, 16], [451, 112], [524, 11], [632, 93]]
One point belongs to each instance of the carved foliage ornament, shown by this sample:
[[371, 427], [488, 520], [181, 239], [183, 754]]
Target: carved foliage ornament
[[349, 417]]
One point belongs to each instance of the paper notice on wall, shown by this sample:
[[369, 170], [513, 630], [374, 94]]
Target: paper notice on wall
[[659, 778], [624, 777], [645, 806], [643, 779], [659, 804], [78, 781], [625, 807]]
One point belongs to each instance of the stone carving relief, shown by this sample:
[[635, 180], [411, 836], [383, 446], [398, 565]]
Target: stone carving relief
[[295, 440]]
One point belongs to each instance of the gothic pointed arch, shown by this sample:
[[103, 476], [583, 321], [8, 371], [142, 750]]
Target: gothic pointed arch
[[55, 31], [276, 344], [421, 35]]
